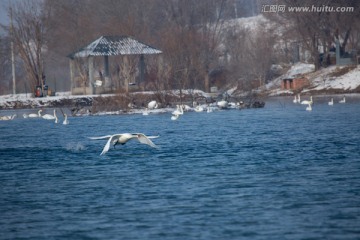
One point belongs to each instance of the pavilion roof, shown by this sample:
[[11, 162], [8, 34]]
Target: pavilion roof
[[114, 45]]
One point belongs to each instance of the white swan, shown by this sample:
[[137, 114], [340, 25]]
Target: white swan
[[66, 121], [175, 117], [186, 107], [123, 138], [49, 116], [295, 99], [306, 102], [198, 109], [331, 102], [309, 108], [6, 118], [176, 114], [145, 113], [342, 100], [34, 115], [152, 105], [179, 110], [222, 104]]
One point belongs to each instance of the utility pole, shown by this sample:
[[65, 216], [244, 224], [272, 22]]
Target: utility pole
[[12, 52]]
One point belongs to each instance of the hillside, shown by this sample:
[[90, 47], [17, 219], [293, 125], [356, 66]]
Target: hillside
[[330, 80]]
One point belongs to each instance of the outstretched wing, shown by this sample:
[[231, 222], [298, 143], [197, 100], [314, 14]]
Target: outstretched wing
[[102, 137], [108, 143], [145, 140]]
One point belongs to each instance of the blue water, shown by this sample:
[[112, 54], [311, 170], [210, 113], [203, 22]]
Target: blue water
[[274, 173]]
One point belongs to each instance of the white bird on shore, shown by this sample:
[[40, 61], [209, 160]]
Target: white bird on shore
[[222, 104], [152, 105], [198, 109], [34, 115], [306, 102], [331, 102], [66, 121], [342, 100], [123, 138]]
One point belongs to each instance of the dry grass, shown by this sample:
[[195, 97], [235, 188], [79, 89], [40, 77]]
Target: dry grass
[[341, 71]]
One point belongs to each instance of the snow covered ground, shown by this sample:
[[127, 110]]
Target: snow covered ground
[[343, 78]]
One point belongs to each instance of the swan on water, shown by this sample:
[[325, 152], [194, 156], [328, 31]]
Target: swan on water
[[306, 102], [34, 115], [309, 108], [146, 112], [50, 117], [297, 98], [179, 110], [123, 138], [66, 121], [342, 100], [152, 105], [6, 118], [331, 102], [198, 108], [187, 107], [176, 114], [175, 117]]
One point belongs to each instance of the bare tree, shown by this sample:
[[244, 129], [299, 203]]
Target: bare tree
[[29, 35]]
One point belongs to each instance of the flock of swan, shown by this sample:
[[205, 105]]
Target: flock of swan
[[310, 102], [180, 109], [123, 138], [38, 115]]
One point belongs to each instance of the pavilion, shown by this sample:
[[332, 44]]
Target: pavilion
[[107, 46]]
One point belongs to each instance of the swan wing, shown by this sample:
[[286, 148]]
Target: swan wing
[[145, 140], [150, 137], [102, 137], [106, 147], [108, 143]]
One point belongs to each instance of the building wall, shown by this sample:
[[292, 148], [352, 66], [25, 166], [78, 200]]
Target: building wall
[[294, 83]]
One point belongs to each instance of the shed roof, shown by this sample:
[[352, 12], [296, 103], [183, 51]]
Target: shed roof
[[114, 45]]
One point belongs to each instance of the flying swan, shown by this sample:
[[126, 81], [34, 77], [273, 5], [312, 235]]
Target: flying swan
[[123, 138]]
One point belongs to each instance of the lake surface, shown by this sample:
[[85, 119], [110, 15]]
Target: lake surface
[[274, 173]]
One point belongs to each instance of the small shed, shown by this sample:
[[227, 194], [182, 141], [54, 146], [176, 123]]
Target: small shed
[[295, 83], [107, 46]]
